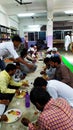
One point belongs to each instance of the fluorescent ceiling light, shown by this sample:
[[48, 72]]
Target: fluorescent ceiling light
[[33, 26], [69, 12], [26, 15]]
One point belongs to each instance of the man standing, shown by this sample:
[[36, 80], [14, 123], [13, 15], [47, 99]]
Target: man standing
[[67, 41], [8, 48]]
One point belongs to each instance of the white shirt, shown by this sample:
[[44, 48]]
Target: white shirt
[[31, 49], [7, 48], [67, 40], [59, 89]]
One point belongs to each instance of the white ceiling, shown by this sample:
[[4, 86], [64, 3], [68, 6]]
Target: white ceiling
[[14, 8], [38, 6]]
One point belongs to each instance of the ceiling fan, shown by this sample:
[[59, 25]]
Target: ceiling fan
[[21, 2]]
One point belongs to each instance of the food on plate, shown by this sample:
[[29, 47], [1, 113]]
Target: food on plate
[[21, 94], [12, 115], [25, 82], [14, 112]]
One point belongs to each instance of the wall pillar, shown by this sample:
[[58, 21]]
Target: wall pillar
[[49, 31]]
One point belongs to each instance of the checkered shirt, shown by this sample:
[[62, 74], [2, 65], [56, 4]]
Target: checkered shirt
[[57, 115]]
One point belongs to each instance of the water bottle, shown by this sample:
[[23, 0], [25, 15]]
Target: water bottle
[[27, 100]]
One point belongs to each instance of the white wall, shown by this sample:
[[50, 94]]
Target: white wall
[[13, 22], [3, 16], [9, 21]]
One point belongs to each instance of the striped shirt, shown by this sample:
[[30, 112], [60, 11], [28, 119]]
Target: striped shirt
[[57, 115]]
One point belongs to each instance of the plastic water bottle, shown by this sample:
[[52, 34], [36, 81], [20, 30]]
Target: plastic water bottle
[[27, 100]]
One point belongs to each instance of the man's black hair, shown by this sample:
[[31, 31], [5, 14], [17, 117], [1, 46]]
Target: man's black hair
[[16, 38], [10, 67], [31, 45], [56, 58], [38, 95], [47, 59], [39, 81]]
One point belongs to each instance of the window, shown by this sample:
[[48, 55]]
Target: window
[[42, 35], [57, 35], [31, 36]]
